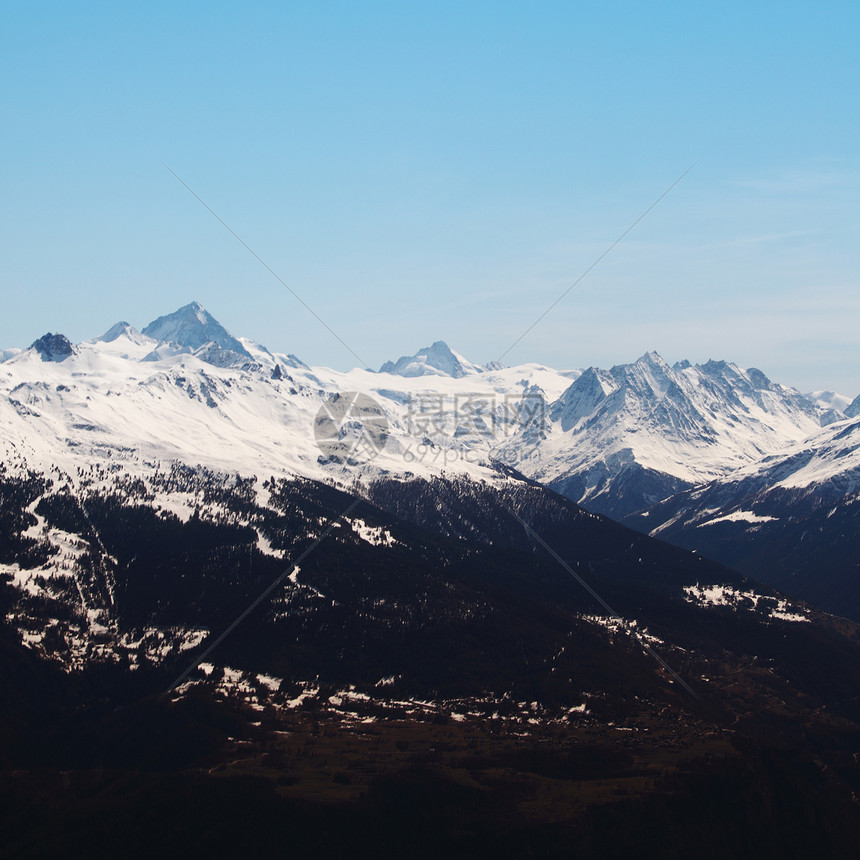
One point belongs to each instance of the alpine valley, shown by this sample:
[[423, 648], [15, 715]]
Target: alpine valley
[[420, 612]]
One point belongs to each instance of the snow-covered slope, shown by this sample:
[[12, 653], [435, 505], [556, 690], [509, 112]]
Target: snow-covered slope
[[828, 400], [618, 440], [833, 405], [791, 519], [826, 465]]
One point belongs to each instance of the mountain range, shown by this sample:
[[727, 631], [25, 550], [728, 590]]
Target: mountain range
[[617, 441], [441, 635]]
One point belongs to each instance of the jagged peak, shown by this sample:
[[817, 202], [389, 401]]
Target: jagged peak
[[652, 359], [192, 326], [438, 359], [121, 329], [583, 396], [729, 370], [758, 378], [716, 366], [53, 347]]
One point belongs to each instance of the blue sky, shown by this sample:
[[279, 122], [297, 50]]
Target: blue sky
[[422, 171]]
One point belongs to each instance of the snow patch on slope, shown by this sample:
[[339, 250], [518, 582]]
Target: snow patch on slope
[[727, 595], [739, 517], [374, 535]]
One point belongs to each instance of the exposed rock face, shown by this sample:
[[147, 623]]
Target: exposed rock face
[[54, 347]]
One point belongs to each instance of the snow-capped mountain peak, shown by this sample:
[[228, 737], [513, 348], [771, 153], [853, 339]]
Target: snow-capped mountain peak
[[435, 360], [648, 374], [123, 341], [53, 347], [653, 358], [191, 327], [122, 329], [583, 397]]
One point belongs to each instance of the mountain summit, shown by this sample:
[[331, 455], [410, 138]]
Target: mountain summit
[[193, 326], [436, 360], [53, 347], [122, 329]]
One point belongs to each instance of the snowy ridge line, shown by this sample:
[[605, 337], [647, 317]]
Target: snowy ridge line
[[819, 472], [616, 440]]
